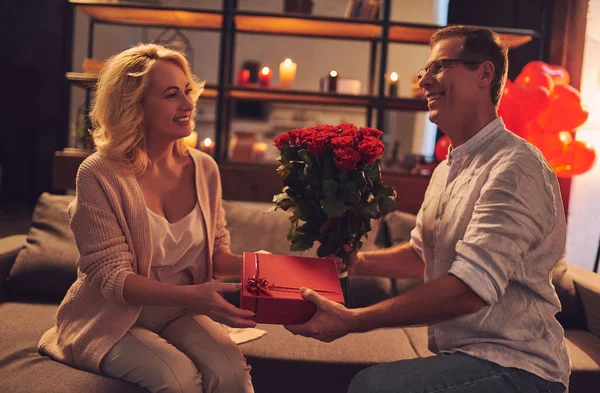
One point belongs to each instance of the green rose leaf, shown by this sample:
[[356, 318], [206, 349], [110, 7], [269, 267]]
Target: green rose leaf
[[327, 248], [283, 171], [343, 176], [387, 205], [333, 207], [373, 171], [327, 171], [330, 188], [350, 192], [382, 191], [294, 182], [301, 241], [303, 209], [370, 209], [306, 157]]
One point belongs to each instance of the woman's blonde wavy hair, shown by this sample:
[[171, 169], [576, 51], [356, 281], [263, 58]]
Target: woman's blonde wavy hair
[[117, 116]]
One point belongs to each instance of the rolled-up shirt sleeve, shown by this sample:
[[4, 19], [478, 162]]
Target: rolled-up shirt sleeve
[[515, 212]]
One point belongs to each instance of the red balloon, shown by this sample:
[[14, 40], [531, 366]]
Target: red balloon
[[535, 78], [577, 158], [566, 111], [559, 75], [521, 104], [509, 110], [551, 144], [534, 100], [441, 148]]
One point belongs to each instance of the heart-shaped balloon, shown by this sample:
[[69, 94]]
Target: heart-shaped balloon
[[565, 112], [508, 109], [521, 104], [532, 101], [559, 75], [551, 144], [535, 77], [577, 159]]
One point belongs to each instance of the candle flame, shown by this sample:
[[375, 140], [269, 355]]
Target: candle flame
[[265, 71], [333, 73], [287, 62], [207, 142], [394, 76]]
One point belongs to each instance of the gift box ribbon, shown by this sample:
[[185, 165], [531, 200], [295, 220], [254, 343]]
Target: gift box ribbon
[[258, 285]]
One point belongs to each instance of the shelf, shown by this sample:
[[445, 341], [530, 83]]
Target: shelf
[[306, 97], [414, 104], [275, 24], [150, 15], [82, 79], [313, 97], [420, 34], [88, 81], [298, 25]]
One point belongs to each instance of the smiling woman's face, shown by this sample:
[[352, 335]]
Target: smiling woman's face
[[167, 104]]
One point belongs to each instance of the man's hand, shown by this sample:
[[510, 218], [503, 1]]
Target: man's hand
[[352, 260], [330, 322]]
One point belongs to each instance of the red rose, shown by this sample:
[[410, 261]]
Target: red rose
[[282, 140], [370, 149], [346, 158], [342, 141], [368, 131], [347, 127], [317, 143], [298, 136]]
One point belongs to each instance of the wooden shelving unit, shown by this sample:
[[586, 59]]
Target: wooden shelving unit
[[89, 81], [150, 15], [229, 21]]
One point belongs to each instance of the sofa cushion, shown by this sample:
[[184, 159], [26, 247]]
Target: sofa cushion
[[253, 228], [572, 315], [584, 351], [24, 370], [46, 266]]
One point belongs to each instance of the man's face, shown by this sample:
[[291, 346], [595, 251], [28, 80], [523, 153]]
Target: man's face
[[453, 92]]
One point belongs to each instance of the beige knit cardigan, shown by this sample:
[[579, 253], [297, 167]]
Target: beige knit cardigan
[[110, 223]]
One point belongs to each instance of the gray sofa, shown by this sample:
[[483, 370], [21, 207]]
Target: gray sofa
[[36, 270]]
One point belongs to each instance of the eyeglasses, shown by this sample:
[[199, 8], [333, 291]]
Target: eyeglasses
[[439, 65]]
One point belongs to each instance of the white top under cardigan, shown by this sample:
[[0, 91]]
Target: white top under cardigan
[[178, 256]]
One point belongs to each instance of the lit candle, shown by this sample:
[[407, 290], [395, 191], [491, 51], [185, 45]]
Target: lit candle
[[287, 73], [393, 85], [243, 77], [264, 77], [333, 77], [207, 146], [258, 151], [191, 140]]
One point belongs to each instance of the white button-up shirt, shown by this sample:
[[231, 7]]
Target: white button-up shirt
[[493, 217]]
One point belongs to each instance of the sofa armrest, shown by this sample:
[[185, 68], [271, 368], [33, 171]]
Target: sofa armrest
[[9, 249], [587, 284]]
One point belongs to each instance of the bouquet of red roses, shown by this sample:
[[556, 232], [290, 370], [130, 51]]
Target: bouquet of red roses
[[332, 183]]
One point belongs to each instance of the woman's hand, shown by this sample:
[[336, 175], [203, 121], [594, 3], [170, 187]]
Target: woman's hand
[[207, 299]]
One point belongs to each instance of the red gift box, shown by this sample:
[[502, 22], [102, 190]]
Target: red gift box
[[271, 286]]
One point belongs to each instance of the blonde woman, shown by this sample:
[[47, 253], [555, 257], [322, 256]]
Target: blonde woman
[[150, 229]]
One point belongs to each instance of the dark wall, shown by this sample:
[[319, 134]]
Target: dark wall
[[37, 37], [521, 14]]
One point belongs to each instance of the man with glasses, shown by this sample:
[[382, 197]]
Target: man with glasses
[[489, 233]]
